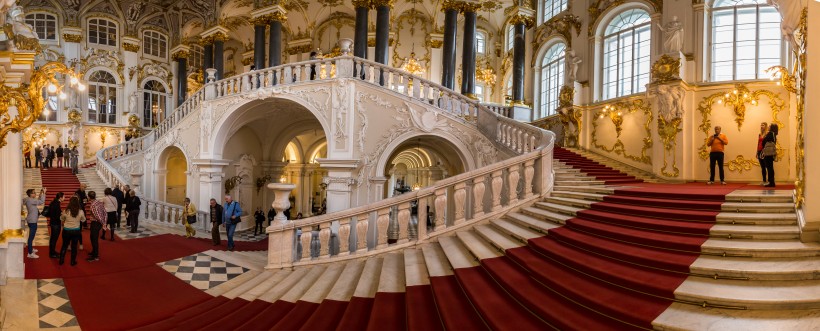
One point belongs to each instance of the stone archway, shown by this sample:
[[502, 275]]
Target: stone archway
[[421, 161], [172, 176]]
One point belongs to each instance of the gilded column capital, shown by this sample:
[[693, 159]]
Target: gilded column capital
[[261, 20], [179, 55], [527, 20], [205, 41], [131, 47], [469, 7], [450, 4], [278, 17], [72, 38], [380, 3], [219, 36], [361, 4]]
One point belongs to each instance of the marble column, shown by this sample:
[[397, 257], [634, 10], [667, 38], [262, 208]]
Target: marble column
[[382, 29], [519, 48], [182, 82], [208, 57], [448, 57], [275, 41], [259, 44], [468, 49], [219, 55], [360, 34]]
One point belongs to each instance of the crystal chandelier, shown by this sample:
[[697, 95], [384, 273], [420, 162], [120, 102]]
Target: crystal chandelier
[[412, 65]]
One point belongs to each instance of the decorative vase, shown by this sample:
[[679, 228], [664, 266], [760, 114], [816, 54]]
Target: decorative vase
[[281, 192], [345, 44]]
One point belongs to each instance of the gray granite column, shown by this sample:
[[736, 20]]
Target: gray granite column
[[448, 54], [182, 76], [259, 45], [468, 49]]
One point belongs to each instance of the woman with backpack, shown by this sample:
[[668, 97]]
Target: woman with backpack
[[71, 220], [54, 224], [769, 153]]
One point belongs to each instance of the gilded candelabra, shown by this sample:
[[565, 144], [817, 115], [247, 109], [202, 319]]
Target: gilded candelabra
[[29, 100]]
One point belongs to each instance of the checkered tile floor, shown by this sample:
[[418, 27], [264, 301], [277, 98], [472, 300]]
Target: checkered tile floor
[[202, 271], [247, 235], [41, 237], [54, 308], [125, 233]]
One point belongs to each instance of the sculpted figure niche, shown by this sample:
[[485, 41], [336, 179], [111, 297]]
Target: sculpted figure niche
[[673, 36]]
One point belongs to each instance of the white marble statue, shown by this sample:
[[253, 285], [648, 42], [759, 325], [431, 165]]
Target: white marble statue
[[673, 36], [17, 18], [5, 8], [132, 103], [790, 12], [670, 101], [573, 62]]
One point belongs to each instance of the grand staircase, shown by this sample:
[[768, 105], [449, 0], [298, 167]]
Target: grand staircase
[[589, 257]]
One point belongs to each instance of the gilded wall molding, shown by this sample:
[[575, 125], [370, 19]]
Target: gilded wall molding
[[104, 133], [617, 111], [598, 7], [666, 69], [558, 25], [801, 38], [668, 132]]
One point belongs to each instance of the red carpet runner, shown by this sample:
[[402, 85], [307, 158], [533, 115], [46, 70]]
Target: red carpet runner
[[59, 180], [592, 168]]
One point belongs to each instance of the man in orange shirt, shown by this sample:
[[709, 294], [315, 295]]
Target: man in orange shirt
[[716, 142]]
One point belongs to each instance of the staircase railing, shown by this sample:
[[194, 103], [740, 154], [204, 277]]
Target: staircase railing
[[414, 217], [169, 214]]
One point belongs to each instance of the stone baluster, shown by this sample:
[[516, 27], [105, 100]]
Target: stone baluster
[[324, 242], [344, 236], [305, 239], [382, 223], [512, 180], [478, 196], [404, 222], [529, 172], [460, 202], [362, 224], [441, 209], [496, 183], [422, 219]]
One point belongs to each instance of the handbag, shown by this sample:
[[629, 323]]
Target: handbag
[[191, 219], [770, 149]]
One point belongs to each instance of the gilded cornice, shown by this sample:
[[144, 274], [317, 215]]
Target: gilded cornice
[[450, 4], [72, 38], [469, 7], [381, 3], [179, 55], [131, 47], [219, 36], [205, 41], [527, 20], [361, 4]]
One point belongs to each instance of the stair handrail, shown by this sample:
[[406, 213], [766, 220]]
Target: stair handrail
[[165, 213], [455, 202]]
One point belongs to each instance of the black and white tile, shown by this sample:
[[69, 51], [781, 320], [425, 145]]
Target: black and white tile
[[54, 307], [202, 271], [248, 235], [125, 233]]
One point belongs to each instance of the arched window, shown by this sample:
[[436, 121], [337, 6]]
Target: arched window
[[626, 54], [508, 89], [550, 8], [480, 93], [102, 98], [196, 57], [746, 39], [480, 42], [552, 77], [102, 32], [510, 36], [45, 25], [154, 102], [155, 44]]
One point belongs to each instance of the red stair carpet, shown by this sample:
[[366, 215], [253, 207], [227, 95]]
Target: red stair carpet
[[59, 180], [609, 175]]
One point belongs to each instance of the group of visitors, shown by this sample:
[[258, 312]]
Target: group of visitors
[[228, 215], [105, 216], [766, 153], [44, 157]]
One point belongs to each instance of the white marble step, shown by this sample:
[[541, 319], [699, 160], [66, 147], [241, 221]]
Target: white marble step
[[761, 196], [758, 207], [273, 277], [457, 254], [478, 247], [557, 208], [233, 283], [369, 281], [320, 289], [683, 317], [392, 277], [436, 260], [498, 239], [282, 287], [806, 268], [578, 182], [580, 177], [757, 218], [346, 284], [516, 230], [415, 269], [543, 214], [246, 286], [761, 248], [578, 203], [772, 295], [565, 170], [304, 284], [578, 195], [535, 224], [757, 232], [605, 190]]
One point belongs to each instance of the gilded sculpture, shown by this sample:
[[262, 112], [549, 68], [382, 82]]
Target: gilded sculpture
[[666, 69]]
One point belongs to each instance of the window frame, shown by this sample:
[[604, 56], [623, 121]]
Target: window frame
[[711, 46], [557, 63], [196, 58], [483, 42], [509, 37], [635, 77], [97, 22], [108, 88], [162, 44], [163, 102], [47, 17], [548, 9]]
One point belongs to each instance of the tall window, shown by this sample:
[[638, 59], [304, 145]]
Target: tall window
[[479, 93], [196, 57], [552, 8], [102, 32], [745, 39], [480, 42], [552, 76], [102, 98], [508, 89], [155, 44], [50, 108], [626, 54], [154, 101], [510, 36], [45, 25]]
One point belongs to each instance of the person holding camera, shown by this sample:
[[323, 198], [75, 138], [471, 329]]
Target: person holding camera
[[33, 213], [716, 143]]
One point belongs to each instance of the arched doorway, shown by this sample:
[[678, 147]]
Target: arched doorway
[[172, 179], [420, 162]]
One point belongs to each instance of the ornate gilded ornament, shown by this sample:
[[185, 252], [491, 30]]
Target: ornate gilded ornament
[[737, 100], [179, 55], [361, 3], [668, 131], [219, 36], [561, 25], [231, 183], [75, 116], [665, 69], [103, 134], [22, 42], [131, 47], [133, 129], [469, 7], [436, 43], [741, 164], [800, 38], [381, 3], [28, 108], [527, 20], [205, 41], [598, 7], [450, 4], [72, 38], [566, 96], [787, 80], [616, 112]]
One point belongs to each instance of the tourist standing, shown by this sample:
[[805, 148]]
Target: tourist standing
[[50, 156], [132, 207], [231, 218], [75, 160], [27, 156], [71, 220], [770, 152], [717, 144], [80, 193], [216, 221], [127, 194], [117, 193], [110, 204], [97, 224], [33, 213], [764, 128], [271, 215], [54, 223], [59, 153], [44, 156], [38, 156], [259, 217], [189, 217]]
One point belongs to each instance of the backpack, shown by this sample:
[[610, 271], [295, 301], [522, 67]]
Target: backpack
[[45, 211]]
